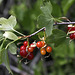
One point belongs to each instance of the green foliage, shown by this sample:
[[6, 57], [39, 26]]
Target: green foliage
[[61, 61], [58, 37], [4, 56], [63, 51], [16, 11], [56, 13], [66, 4], [12, 48], [10, 35], [71, 49], [46, 8], [1, 35], [61, 8], [1, 52], [46, 19], [26, 15], [7, 24], [6, 60]]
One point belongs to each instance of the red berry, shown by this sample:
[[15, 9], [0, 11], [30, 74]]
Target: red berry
[[25, 43], [40, 44], [71, 28], [23, 48], [43, 52], [31, 45], [43, 43], [48, 49], [23, 53], [30, 56], [30, 49], [72, 36]]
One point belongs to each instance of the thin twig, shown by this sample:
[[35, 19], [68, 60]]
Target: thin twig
[[33, 33], [36, 32], [44, 28], [64, 23]]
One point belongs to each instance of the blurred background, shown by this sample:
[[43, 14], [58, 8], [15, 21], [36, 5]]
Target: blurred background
[[62, 59]]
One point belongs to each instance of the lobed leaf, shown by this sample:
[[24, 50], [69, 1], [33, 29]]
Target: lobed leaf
[[46, 19], [7, 24], [47, 8]]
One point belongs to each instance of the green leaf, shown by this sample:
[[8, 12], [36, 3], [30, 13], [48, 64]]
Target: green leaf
[[1, 50], [5, 59], [12, 48], [57, 37], [47, 8], [12, 21], [10, 35], [46, 21], [7, 24], [58, 33]]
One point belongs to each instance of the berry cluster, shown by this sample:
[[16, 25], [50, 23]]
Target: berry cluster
[[26, 50], [42, 45], [71, 28]]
